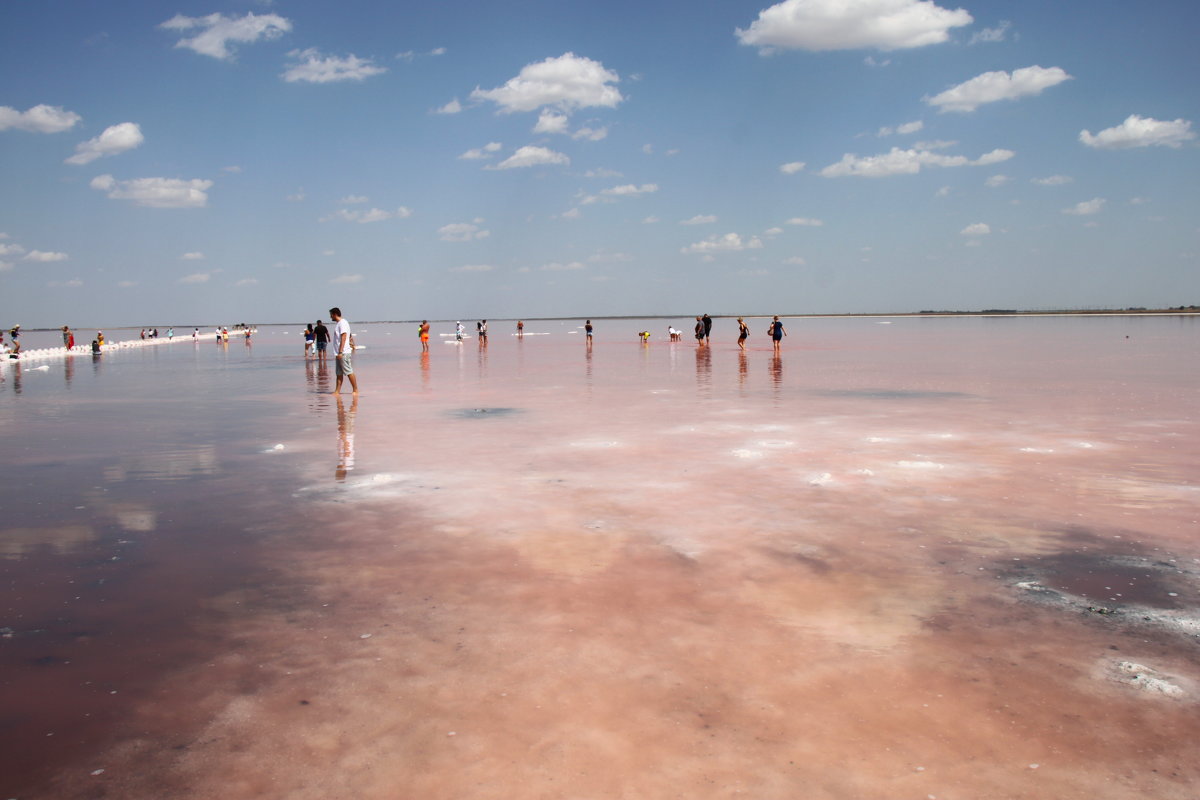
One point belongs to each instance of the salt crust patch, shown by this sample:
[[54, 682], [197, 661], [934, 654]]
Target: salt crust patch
[[1037, 449], [921, 465], [747, 453], [1145, 678], [595, 444], [820, 479], [778, 443]]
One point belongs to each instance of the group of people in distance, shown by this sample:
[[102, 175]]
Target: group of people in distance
[[704, 330], [317, 339]]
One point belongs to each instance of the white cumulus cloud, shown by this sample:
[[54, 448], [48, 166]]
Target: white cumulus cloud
[[196, 277], [567, 82], [550, 121], [906, 128], [531, 156], [1138, 131], [216, 31], [354, 199], [976, 229], [115, 139], [699, 219], [1086, 208], [453, 107], [555, 266], [45, 257], [461, 232], [906, 162], [487, 151], [730, 242], [39, 119], [851, 25], [313, 67], [791, 168], [1053, 180], [998, 85], [996, 34], [473, 268], [590, 134], [996, 181], [806, 222], [195, 256], [630, 190], [156, 192], [371, 215]]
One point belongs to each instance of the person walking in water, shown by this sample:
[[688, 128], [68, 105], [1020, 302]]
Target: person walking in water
[[520, 329], [777, 332], [423, 332], [587, 332], [483, 332], [707, 320], [321, 339], [343, 350], [743, 333], [68, 337], [459, 330], [699, 331]]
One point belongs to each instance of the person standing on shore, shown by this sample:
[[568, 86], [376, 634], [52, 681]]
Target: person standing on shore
[[343, 352], [743, 333], [707, 320], [423, 332], [321, 339], [777, 333]]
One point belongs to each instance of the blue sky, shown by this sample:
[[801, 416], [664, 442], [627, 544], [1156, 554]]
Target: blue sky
[[217, 162]]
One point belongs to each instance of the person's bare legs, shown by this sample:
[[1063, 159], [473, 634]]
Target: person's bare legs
[[353, 384]]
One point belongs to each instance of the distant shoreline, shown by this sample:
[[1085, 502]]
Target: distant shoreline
[[1179, 311]]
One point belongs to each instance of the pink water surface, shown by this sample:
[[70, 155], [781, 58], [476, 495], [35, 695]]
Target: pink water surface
[[950, 558]]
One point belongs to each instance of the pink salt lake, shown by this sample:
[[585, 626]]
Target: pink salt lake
[[911, 558]]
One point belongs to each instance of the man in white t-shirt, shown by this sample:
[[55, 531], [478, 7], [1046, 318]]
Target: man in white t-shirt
[[344, 352]]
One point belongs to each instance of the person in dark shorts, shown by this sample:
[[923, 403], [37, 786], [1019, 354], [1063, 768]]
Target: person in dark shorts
[[699, 330], [743, 333], [707, 320], [321, 337]]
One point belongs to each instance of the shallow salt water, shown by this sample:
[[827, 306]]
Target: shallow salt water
[[950, 558]]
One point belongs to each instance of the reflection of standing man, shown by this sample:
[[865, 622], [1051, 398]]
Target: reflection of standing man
[[321, 336], [345, 438], [343, 352]]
